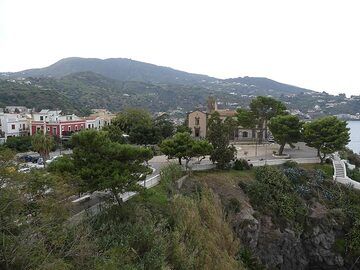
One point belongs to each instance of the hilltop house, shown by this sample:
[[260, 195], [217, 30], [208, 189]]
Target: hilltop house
[[197, 121]]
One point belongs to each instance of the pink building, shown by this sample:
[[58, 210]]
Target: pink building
[[53, 123]]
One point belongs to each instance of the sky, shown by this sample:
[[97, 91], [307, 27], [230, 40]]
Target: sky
[[309, 43]]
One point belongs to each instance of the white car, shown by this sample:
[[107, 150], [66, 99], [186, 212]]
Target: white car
[[52, 159], [24, 170]]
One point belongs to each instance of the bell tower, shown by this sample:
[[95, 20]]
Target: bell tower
[[211, 105]]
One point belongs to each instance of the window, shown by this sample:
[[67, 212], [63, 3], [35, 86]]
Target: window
[[245, 134], [41, 118], [54, 131], [197, 120], [12, 126], [89, 126], [76, 127], [69, 128]]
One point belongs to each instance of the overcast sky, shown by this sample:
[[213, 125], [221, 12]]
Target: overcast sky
[[313, 44]]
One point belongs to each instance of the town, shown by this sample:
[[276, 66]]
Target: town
[[18, 121]]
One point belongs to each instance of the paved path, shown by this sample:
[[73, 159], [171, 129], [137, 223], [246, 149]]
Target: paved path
[[340, 173]]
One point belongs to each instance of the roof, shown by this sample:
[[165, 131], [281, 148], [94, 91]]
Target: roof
[[226, 112]]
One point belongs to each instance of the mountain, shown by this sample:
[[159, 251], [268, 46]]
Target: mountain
[[123, 69], [23, 93], [265, 84], [116, 68], [91, 90], [80, 84]]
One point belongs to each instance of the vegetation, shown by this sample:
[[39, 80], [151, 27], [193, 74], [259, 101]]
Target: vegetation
[[42, 143], [105, 165], [218, 136], [183, 146], [140, 127], [85, 86], [286, 130], [34, 96], [327, 135], [156, 229], [241, 164], [20, 144]]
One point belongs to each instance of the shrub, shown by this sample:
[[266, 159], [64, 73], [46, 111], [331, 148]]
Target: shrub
[[290, 164], [295, 175], [273, 192], [20, 144], [241, 164], [233, 206], [171, 173]]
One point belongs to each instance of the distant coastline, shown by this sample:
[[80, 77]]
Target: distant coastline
[[354, 143]]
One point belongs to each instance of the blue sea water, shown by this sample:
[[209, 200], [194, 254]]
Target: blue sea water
[[354, 144]]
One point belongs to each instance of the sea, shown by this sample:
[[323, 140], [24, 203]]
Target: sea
[[354, 143]]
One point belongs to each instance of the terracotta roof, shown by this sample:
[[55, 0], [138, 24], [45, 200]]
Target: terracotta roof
[[226, 112]]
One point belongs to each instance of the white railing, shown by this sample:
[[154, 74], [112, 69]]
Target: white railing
[[257, 163], [343, 180]]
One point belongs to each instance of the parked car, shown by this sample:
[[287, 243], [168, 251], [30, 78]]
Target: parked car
[[52, 159], [34, 159], [26, 158], [24, 170]]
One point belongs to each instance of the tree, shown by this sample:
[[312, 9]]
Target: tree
[[131, 118], [115, 133], [246, 118], [140, 127], [105, 165], [183, 128], [164, 125], [327, 135], [21, 143], [285, 129], [145, 135], [263, 109], [218, 136], [183, 146], [42, 143]]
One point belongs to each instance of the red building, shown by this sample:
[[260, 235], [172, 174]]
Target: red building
[[59, 128]]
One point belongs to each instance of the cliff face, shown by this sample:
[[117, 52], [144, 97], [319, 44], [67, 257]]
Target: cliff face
[[285, 248], [319, 243]]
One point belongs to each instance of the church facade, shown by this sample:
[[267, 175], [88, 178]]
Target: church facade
[[197, 121]]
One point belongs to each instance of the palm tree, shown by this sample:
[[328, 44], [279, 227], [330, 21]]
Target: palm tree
[[42, 143]]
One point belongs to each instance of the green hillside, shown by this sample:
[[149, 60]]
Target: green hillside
[[22, 94]]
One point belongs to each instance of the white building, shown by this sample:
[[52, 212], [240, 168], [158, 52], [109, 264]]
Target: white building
[[14, 125]]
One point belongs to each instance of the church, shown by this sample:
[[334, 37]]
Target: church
[[197, 121]]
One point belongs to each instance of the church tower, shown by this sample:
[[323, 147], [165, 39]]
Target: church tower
[[211, 105]]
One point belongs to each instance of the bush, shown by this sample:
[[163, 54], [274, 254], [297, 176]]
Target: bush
[[290, 164], [241, 164], [20, 144], [171, 173], [233, 206], [273, 192]]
